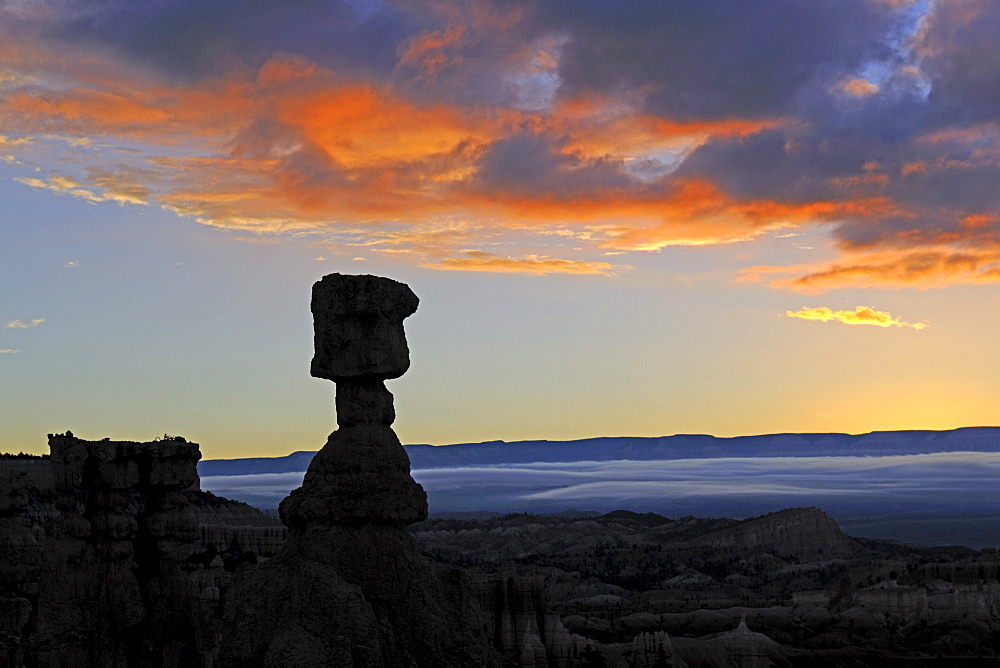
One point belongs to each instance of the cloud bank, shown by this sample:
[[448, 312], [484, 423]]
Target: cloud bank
[[533, 136], [735, 487]]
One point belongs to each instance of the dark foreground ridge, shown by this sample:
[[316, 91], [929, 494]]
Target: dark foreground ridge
[[786, 588], [111, 557]]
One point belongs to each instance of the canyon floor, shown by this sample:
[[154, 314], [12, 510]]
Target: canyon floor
[[788, 588], [632, 589]]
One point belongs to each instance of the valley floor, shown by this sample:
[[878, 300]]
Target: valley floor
[[787, 588]]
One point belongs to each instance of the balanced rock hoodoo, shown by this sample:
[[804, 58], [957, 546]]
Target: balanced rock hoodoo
[[350, 587], [362, 476]]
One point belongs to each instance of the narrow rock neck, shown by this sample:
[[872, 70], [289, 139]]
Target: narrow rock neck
[[364, 401]]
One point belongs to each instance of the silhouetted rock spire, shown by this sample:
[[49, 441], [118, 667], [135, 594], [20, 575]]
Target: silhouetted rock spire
[[351, 587], [363, 474]]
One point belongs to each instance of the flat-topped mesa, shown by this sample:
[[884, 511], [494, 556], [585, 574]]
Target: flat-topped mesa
[[362, 475], [119, 548]]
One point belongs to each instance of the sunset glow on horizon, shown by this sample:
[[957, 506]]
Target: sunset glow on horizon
[[616, 215]]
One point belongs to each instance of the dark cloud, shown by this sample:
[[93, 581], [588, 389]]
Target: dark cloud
[[965, 188], [714, 58], [794, 165], [775, 162], [917, 195], [920, 142], [193, 38], [962, 60], [532, 164]]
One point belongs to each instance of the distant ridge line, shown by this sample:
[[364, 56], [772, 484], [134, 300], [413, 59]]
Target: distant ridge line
[[653, 448]]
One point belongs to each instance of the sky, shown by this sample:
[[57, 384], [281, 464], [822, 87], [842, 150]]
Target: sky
[[622, 218]]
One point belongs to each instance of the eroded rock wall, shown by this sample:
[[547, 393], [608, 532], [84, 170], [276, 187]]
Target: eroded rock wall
[[21, 560], [114, 585], [526, 631]]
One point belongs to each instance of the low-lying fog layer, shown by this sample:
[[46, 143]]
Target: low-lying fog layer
[[902, 497]]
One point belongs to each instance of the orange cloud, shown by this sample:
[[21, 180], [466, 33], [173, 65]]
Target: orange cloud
[[978, 220], [861, 315], [429, 52], [861, 180], [977, 133], [295, 148], [916, 268], [305, 151], [309, 151], [449, 53], [359, 126], [107, 190], [108, 109], [613, 127], [532, 264], [856, 87], [698, 213], [7, 142]]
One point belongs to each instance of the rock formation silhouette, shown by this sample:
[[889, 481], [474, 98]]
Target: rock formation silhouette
[[362, 475], [21, 562], [350, 587], [113, 588], [104, 563]]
